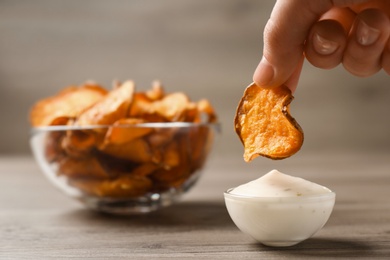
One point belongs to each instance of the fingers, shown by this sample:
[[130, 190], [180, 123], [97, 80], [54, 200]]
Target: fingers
[[292, 81], [367, 41], [328, 34], [325, 45], [327, 40], [284, 39], [363, 53]]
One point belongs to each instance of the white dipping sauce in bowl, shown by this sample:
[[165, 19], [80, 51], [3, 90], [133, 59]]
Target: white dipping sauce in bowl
[[278, 209]]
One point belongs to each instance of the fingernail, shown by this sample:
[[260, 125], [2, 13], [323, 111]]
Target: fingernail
[[365, 34], [264, 73], [324, 46]]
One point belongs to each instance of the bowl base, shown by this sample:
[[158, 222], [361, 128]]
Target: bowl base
[[132, 206], [280, 243]]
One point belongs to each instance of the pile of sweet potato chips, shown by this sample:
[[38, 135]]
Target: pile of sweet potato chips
[[121, 156]]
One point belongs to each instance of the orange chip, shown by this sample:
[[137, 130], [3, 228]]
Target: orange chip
[[264, 124], [63, 120], [142, 107], [125, 186], [137, 151], [190, 113], [168, 178], [78, 142], [179, 169], [88, 167], [157, 91], [110, 109], [171, 156], [68, 103], [161, 136], [125, 130], [204, 108], [144, 169], [172, 106]]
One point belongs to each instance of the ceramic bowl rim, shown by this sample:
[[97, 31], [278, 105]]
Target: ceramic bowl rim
[[282, 199]]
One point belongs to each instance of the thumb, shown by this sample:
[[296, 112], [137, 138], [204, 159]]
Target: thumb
[[284, 37]]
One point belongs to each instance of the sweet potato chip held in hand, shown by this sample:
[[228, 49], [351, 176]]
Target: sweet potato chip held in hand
[[264, 124]]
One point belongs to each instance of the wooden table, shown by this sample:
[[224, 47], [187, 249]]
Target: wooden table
[[39, 222]]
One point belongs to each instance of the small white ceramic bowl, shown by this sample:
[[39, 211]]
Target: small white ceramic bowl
[[280, 221]]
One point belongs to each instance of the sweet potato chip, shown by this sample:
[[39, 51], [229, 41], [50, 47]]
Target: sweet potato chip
[[157, 91], [63, 120], [205, 109], [78, 143], [144, 169], [137, 151], [190, 113], [142, 107], [164, 179], [172, 106], [119, 133], [171, 156], [177, 166], [264, 124], [161, 136], [68, 103], [125, 186], [88, 167], [110, 109]]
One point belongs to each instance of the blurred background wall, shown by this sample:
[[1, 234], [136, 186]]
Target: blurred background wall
[[206, 48]]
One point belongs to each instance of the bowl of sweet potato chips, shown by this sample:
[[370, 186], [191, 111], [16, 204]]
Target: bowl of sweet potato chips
[[122, 151]]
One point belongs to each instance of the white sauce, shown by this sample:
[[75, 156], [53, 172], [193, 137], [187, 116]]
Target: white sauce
[[277, 184], [278, 209]]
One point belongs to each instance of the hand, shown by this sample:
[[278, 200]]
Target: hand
[[352, 32]]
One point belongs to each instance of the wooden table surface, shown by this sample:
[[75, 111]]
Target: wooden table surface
[[39, 222]]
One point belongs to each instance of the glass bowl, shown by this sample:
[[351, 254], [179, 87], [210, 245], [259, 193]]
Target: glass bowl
[[124, 169], [280, 221]]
